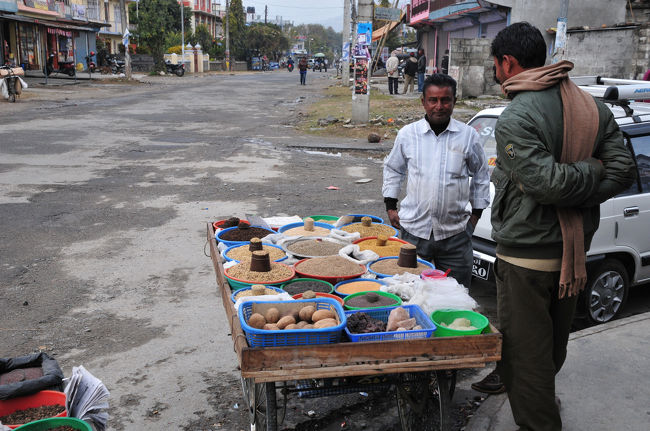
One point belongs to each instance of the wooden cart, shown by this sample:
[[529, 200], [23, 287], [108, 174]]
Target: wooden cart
[[422, 370]]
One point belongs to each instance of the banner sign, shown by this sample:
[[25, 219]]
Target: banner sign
[[360, 75], [387, 13], [345, 51]]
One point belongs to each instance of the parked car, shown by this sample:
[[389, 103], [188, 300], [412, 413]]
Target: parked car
[[619, 256]]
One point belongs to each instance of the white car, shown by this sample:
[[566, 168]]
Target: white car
[[619, 256]]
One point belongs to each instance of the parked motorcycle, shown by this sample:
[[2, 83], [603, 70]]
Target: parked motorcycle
[[66, 67], [90, 64], [117, 66], [178, 69]]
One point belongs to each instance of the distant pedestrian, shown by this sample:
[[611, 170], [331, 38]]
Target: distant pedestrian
[[422, 68], [410, 69], [444, 66], [393, 73], [302, 67]]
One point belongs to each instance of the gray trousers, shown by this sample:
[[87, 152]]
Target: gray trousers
[[453, 253], [535, 325]]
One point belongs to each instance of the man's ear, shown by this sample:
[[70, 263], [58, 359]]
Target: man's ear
[[510, 65]]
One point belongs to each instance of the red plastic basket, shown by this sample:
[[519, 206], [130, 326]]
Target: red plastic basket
[[42, 398]]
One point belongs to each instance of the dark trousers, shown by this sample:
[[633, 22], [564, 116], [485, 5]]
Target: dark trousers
[[303, 77], [535, 325], [392, 85], [420, 81], [453, 253]]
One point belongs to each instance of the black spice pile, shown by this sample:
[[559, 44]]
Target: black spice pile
[[362, 323]]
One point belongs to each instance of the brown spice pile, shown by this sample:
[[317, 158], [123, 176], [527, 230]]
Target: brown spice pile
[[374, 229], [301, 231], [241, 271], [242, 253], [390, 267], [329, 266], [390, 249]]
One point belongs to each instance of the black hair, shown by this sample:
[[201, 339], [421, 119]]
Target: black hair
[[522, 41], [439, 80]]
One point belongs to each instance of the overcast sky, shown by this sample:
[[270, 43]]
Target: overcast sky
[[329, 13]]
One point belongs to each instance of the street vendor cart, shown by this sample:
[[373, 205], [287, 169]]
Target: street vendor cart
[[423, 371]]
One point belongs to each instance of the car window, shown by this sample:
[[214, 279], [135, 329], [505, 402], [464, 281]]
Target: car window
[[641, 148], [485, 128]]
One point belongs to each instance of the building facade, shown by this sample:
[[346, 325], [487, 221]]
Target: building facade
[[208, 13], [108, 12], [35, 31]]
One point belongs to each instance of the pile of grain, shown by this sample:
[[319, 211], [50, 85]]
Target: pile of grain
[[314, 247], [391, 248], [374, 229], [329, 266], [301, 231], [241, 271], [242, 253], [389, 267]]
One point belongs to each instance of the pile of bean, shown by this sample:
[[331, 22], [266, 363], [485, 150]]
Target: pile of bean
[[242, 253], [312, 247], [373, 230], [301, 286], [241, 271], [32, 414], [390, 267], [245, 234], [329, 266], [301, 231], [390, 249]]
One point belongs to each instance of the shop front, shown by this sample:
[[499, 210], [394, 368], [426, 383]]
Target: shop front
[[60, 47], [7, 33]]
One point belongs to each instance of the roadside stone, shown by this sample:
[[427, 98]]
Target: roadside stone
[[374, 138], [327, 121], [347, 121]]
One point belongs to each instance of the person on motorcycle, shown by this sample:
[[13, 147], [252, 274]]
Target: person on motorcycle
[[265, 63], [290, 64]]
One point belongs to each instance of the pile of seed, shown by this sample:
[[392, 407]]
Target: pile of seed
[[241, 271], [374, 229], [32, 414], [249, 292], [390, 249], [390, 267], [301, 286], [242, 253], [301, 231], [245, 234], [313, 247], [329, 266]]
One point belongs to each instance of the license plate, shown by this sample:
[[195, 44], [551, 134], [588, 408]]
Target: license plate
[[481, 268]]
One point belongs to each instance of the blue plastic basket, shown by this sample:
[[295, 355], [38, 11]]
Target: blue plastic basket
[[286, 227], [239, 291], [380, 275], [293, 337], [428, 327], [227, 259]]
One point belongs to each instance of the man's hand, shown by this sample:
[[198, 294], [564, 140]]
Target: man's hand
[[394, 218], [473, 219]]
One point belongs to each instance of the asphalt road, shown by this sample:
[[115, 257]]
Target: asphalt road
[[105, 193]]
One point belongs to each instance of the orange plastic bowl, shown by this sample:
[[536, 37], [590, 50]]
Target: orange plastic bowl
[[42, 398], [217, 224], [322, 295]]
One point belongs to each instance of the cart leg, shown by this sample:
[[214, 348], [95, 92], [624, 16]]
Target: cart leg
[[424, 400]]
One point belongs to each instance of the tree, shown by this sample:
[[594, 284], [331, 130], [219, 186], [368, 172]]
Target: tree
[[266, 39], [237, 23], [157, 19]]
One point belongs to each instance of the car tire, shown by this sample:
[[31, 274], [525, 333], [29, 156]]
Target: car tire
[[606, 290]]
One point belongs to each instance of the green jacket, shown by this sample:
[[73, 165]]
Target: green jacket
[[530, 182]]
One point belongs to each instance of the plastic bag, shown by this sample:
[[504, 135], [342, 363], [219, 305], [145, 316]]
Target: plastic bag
[[342, 235], [3, 89], [284, 296], [52, 377], [353, 253]]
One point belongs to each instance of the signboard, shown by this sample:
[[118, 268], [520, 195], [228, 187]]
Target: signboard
[[387, 13], [384, 54], [41, 4], [360, 75], [345, 51], [250, 9], [364, 33]]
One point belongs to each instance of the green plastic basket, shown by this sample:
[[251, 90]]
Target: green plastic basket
[[448, 316], [51, 423], [398, 300], [324, 218]]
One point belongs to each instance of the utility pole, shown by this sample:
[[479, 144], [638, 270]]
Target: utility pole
[[361, 102], [227, 34], [182, 32], [346, 39], [266, 13], [560, 34], [125, 26]]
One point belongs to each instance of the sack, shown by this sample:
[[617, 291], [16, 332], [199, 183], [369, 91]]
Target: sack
[[3, 89], [22, 375]]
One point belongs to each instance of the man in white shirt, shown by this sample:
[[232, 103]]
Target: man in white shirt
[[437, 155]]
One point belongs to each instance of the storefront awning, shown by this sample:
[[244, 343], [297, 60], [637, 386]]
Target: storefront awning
[[8, 6], [377, 34], [48, 23]]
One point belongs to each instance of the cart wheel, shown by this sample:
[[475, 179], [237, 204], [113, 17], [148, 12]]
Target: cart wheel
[[12, 97], [424, 400], [261, 402]]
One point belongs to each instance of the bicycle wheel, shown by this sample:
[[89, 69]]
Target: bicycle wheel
[[261, 403], [424, 400]]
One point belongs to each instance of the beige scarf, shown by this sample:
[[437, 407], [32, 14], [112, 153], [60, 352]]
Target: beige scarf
[[580, 116]]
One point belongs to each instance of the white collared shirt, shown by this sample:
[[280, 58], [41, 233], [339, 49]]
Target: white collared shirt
[[438, 171]]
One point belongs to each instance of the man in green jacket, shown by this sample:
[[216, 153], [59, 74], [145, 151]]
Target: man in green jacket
[[559, 155]]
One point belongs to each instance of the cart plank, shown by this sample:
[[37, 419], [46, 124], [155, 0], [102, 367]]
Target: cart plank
[[351, 359]]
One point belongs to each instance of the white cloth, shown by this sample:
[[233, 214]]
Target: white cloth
[[391, 66], [438, 170]]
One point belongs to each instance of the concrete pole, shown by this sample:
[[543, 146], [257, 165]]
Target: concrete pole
[[227, 34], [182, 33], [127, 54], [361, 102], [346, 38], [560, 34]]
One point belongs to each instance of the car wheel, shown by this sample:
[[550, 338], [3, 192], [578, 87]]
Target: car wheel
[[606, 290]]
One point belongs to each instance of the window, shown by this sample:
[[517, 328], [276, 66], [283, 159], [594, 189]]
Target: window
[[641, 146], [485, 127], [106, 11]]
